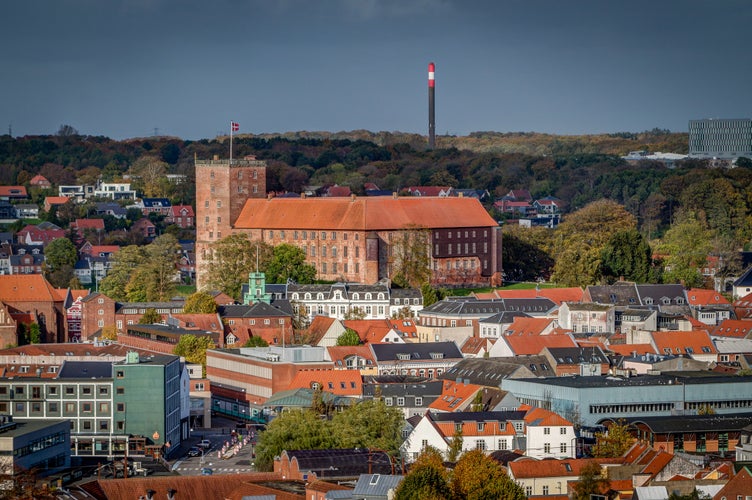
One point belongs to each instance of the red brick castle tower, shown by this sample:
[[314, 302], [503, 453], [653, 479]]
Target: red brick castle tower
[[222, 188]]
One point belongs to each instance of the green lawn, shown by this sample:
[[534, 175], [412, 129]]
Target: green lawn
[[186, 290]]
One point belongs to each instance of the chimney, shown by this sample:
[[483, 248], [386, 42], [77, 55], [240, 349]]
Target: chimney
[[394, 194]]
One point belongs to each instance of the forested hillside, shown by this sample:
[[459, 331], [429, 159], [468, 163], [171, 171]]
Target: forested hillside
[[664, 204]]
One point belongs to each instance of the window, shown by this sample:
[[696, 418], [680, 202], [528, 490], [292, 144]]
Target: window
[[563, 448], [52, 407], [545, 489], [546, 448], [546, 430], [502, 444], [86, 407], [562, 430], [400, 401], [120, 390], [120, 407], [104, 407], [418, 401], [70, 390], [481, 426], [480, 444], [388, 401]]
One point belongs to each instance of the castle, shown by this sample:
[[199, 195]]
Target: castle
[[350, 239]]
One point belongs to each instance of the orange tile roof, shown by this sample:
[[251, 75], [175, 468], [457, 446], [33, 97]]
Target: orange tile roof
[[339, 382], [369, 330], [318, 328], [13, 191], [678, 342], [473, 345], [735, 328], [523, 325], [541, 417], [628, 349], [454, 396], [195, 321], [702, 297], [88, 223], [56, 200], [405, 326], [523, 469], [557, 295], [97, 249], [338, 354], [26, 288], [534, 344], [363, 214], [470, 429]]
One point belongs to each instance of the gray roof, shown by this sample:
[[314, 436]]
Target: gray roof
[[576, 355], [621, 293], [485, 308], [477, 416], [375, 485], [86, 369], [704, 377], [504, 317], [15, 260], [745, 279], [490, 371], [256, 310], [423, 351], [341, 462], [694, 423], [176, 306]]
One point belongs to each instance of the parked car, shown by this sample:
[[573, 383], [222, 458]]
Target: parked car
[[205, 444], [194, 451], [207, 471]]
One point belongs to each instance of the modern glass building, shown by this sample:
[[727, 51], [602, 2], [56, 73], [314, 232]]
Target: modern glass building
[[720, 138]]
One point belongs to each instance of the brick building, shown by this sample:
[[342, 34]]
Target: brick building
[[346, 239], [31, 299]]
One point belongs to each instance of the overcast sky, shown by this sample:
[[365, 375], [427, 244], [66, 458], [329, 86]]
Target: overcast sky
[[123, 68]]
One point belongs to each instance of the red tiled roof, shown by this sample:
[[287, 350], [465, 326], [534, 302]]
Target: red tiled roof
[[39, 179], [318, 328], [369, 330], [196, 321], [26, 288], [554, 468], [428, 190], [543, 417], [454, 396], [338, 354], [533, 344], [88, 224], [13, 191], [523, 325], [339, 382], [556, 295], [678, 342], [735, 328], [176, 209], [701, 297], [363, 214], [628, 349], [473, 345], [56, 200], [97, 249]]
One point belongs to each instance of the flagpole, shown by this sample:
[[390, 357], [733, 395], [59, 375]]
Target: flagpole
[[232, 125]]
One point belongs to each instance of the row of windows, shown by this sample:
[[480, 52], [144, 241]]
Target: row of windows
[[310, 251], [458, 234], [401, 401], [310, 235], [40, 444], [53, 408], [254, 174], [632, 408], [40, 392], [338, 296], [469, 248], [459, 264]]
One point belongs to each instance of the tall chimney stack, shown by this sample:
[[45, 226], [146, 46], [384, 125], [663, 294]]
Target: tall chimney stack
[[431, 106]]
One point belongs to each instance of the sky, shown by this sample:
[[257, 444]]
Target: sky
[[187, 68]]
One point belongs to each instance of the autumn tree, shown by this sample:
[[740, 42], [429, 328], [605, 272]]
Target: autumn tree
[[411, 259], [455, 445], [193, 348], [150, 176], [256, 341], [109, 332], [579, 240], [231, 260], [163, 255], [613, 442], [348, 337], [200, 303], [124, 263], [369, 424], [288, 263], [685, 248], [591, 482], [150, 317], [292, 430], [60, 258], [479, 477], [428, 479], [627, 255]]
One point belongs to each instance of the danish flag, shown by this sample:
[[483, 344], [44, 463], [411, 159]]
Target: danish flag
[[234, 126]]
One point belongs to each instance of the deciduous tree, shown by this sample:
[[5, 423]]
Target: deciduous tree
[[613, 442], [200, 303], [150, 317], [591, 482], [60, 258], [124, 263], [627, 255], [348, 337], [685, 247], [230, 261], [428, 479], [193, 348], [479, 477], [411, 260], [256, 341], [288, 263]]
